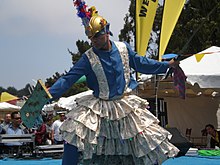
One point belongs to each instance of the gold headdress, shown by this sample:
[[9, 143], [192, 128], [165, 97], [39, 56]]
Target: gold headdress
[[92, 22]]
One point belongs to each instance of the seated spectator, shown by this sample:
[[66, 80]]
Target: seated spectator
[[15, 127], [7, 120], [213, 136]]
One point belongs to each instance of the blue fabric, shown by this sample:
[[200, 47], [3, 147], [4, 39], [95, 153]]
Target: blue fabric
[[70, 155], [183, 160], [193, 160], [111, 63], [169, 56], [48, 161]]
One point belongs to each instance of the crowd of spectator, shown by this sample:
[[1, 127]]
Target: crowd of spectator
[[46, 133]]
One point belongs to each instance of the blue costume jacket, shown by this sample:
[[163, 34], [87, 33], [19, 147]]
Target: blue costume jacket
[[113, 69]]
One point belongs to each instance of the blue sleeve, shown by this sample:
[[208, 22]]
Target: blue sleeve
[[145, 65], [66, 81]]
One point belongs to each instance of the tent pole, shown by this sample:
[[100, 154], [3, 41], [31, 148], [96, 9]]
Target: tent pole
[[156, 76]]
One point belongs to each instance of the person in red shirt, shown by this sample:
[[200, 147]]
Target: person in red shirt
[[40, 133]]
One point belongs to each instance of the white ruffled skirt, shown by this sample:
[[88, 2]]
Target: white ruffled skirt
[[117, 132]]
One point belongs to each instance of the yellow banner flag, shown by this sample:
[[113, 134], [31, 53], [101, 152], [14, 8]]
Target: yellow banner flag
[[5, 96], [145, 14], [171, 13], [199, 57]]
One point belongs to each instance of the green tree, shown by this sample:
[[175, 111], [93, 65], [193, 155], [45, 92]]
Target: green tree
[[127, 33], [82, 46], [26, 91], [76, 88], [2, 89], [196, 29], [12, 90], [19, 93]]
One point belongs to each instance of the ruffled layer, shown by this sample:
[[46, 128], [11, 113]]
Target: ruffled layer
[[120, 127]]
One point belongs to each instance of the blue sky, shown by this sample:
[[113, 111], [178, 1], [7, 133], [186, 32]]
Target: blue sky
[[35, 36]]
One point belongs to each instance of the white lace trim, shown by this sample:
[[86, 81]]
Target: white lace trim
[[99, 71], [100, 74]]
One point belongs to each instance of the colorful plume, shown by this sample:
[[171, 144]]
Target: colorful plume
[[83, 13]]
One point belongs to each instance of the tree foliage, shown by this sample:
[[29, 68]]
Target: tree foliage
[[26, 91], [128, 31], [76, 88], [82, 46], [197, 27]]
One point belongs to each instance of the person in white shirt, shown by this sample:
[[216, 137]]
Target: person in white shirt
[[57, 137]]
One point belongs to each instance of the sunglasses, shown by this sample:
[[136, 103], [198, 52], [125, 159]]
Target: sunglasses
[[102, 32], [17, 118], [99, 34]]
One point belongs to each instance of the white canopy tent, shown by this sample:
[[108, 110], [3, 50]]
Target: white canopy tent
[[202, 97], [205, 72], [197, 111], [7, 106]]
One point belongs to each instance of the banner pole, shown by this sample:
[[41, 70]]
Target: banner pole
[[156, 79]]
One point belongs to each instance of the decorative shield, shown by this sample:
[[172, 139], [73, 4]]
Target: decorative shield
[[31, 110]]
